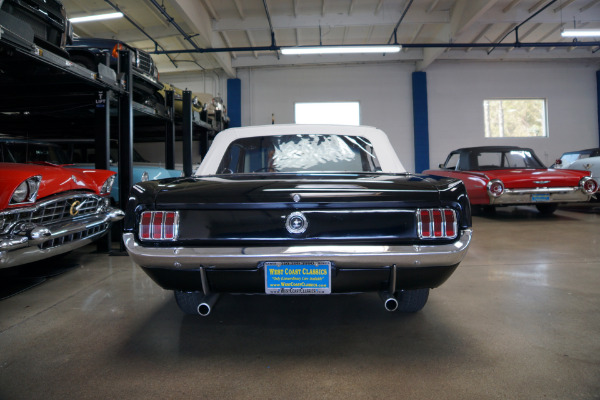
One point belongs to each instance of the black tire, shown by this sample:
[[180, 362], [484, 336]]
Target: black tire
[[188, 302], [85, 62], [547, 209], [411, 301]]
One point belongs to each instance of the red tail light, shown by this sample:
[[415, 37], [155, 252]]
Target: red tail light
[[159, 225], [437, 223]]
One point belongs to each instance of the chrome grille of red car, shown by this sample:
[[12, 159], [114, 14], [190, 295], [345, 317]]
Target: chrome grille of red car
[[437, 223], [53, 210], [74, 236]]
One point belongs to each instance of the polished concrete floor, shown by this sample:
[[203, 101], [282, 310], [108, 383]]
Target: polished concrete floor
[[519, 319]]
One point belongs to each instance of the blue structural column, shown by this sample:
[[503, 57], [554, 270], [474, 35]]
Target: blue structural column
[[421, 121], [234, 102], [598, 102]]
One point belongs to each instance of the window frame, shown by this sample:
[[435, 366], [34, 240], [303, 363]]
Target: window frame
[[487, 128]]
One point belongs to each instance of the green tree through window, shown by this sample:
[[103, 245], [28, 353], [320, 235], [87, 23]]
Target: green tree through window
[[515, 118]]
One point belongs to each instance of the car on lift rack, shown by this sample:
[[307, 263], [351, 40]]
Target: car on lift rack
[[47, 20], [89, 52], [47, 210], [299, 210], [511, 175]]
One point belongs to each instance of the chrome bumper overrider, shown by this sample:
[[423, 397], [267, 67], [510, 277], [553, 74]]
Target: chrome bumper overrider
[[28, 242], [347, 256], [556, 195]]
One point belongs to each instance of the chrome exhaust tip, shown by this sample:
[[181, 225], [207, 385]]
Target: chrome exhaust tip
[[389, 302], [207, 304]]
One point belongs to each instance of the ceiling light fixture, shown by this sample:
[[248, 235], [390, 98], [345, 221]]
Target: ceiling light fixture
[[580, 33], [340, 49], [98, 17]]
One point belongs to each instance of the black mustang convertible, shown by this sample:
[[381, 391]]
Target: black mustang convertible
[[299, 210]]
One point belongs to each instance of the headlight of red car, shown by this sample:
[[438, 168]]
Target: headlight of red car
[[588, 185], [107, 187], [495, 187], [27, 191]]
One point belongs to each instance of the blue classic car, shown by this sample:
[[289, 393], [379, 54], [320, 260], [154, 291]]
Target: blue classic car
[[80, 153]]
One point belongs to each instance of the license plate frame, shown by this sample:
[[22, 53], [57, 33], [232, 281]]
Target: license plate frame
[[540, 197], [297, 277]]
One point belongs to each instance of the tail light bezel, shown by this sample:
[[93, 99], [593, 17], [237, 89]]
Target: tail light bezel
[[167, 221], [495, 188], [437, 223], [585, 181]]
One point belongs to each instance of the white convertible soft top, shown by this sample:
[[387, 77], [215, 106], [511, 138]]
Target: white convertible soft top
[[386, 155]]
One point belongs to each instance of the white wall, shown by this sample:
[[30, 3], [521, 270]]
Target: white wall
[[456, 91], [383, 91]]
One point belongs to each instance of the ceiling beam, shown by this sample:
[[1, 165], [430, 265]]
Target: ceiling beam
[[589, 5], [228, 43], [563, 4], [240, 8], [510, 6], [251, 41], [463, 15], [211, 10], [197, 18], [433, 5], [417, 17], [159, 17], [351, 7], [536, 6], [480, 35]]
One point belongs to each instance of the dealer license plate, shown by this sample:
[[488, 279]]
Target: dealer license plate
[[298, 277], [540, 197]]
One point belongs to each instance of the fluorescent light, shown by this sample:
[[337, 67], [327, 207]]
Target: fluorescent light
[[341, 49], [580, 33], [98, 17]]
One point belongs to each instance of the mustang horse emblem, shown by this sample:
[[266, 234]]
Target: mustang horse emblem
[[296, 222]]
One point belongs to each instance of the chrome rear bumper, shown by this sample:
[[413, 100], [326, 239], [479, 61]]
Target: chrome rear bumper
[[555, 195], [344, 256], [29, 242]]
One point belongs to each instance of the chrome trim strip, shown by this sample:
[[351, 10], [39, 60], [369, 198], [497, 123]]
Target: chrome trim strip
[[345, 256]]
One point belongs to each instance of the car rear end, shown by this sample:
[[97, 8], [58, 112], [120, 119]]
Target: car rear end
[[305, 236]]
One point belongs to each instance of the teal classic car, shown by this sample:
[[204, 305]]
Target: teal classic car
[[81, 154]]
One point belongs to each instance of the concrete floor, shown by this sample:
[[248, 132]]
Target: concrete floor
[[519, 319]]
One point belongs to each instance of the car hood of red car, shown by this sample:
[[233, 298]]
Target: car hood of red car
[[525, 178], [55, 179]]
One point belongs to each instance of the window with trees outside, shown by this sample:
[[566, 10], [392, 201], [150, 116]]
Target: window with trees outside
[[515, 118]]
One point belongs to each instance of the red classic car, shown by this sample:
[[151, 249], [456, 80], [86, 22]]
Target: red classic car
[[510, 175], [47, 210]]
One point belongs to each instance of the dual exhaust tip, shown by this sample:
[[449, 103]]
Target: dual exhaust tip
[[390, 303], [207, 303]]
